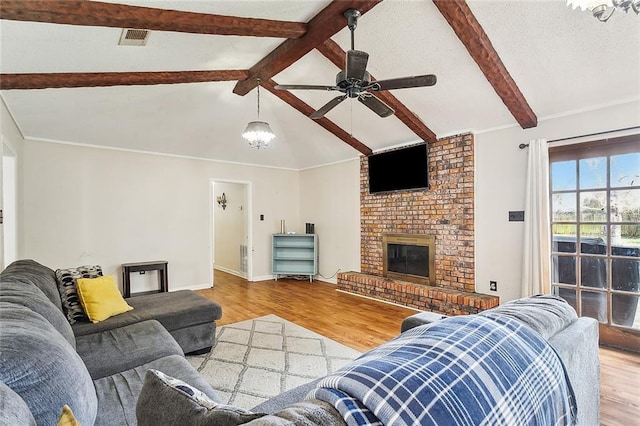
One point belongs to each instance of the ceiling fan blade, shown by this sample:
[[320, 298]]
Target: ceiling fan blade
[[328, 107], [375, 105], [305, 87], [403, 82], [356, 64]]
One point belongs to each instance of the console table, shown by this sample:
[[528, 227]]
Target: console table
[[156, 265]]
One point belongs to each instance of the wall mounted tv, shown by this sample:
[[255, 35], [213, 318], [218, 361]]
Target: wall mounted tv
[[399, 170]]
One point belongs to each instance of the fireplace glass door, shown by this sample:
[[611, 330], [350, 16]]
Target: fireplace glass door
[[408, 259]]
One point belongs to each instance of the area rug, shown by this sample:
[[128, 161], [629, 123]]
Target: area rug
[[257, 359]]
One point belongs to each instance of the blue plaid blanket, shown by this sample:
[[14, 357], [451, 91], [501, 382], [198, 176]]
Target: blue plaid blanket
[[465, 370]]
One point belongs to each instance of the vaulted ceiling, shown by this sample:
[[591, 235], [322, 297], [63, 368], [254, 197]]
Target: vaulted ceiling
[[191, 90]]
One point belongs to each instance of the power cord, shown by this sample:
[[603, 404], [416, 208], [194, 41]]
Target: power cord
[[334, 274]]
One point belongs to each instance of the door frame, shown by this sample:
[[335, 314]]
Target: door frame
[[249, 224], [7, 151]]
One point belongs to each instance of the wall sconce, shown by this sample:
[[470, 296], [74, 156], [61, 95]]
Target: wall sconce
[[222, 201]]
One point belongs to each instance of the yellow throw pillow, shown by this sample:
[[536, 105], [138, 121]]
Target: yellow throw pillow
[[67, 418], [101, 298]]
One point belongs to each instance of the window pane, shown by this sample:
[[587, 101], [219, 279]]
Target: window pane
[[564, 238], [564, 207], [563, 176], [625, 275], [567, 294], [625, 240], [625, 170], [593, 272], [594, 305], [593, 173], [564, 270], [625, 310], [593, 206], [625, 205], [593, 239]]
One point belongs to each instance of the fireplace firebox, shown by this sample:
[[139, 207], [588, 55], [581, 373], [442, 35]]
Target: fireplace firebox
[[409, 257]]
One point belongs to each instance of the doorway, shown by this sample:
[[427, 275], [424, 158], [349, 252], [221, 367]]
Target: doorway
[[231, 228], [9, 227]]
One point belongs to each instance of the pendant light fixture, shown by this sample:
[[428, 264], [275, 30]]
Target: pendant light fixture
[[258, 133]]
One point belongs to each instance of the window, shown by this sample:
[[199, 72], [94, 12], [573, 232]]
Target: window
[[595, 225]]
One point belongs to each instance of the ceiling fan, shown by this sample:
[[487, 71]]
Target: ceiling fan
[[355, 82]]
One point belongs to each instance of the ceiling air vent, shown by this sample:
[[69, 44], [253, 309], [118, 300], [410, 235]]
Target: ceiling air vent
[[133, 37]]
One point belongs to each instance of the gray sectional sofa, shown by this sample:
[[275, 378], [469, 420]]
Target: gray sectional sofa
[[108, 372], [97, 369]]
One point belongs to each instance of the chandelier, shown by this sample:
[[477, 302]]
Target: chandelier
[[258, 133], [603, 9]]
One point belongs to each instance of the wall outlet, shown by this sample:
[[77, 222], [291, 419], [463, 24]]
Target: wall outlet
[[493, 285]]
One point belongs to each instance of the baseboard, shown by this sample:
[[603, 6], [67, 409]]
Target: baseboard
[[192, 287], [263, 278], [327, 280]]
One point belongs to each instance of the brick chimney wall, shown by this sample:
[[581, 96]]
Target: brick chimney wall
[[444, 210]]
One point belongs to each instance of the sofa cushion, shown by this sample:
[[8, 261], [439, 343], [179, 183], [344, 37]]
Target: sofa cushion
[[166, 400], [118, 393], [30, 296], [13, 408], [312, 412], [68, 288], [174, 310], [545, 314], [101, 298], [38, 364], [113, 351], [30, 271]]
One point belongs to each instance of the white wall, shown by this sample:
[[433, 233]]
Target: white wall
[[330, 198], [500, 187], [230, 230], [87, 205]]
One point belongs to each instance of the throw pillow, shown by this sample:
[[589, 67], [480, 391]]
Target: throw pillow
[[169, 401], [67, 418], [69, 291], [101, 298]]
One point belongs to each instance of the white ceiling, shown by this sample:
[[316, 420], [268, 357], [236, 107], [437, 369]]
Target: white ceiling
[[562, 59]]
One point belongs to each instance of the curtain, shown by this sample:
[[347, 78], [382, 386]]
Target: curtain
[[536, 276]]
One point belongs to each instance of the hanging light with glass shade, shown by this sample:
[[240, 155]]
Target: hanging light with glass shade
[[603, 9], [258, 133]]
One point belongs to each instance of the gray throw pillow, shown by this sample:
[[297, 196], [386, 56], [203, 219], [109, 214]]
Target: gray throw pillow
[[168, 401], [68, 288]]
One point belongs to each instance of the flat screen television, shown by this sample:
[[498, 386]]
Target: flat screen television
[[399, 170]]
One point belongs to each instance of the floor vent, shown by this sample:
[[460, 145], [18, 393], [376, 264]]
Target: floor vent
[[133, 37]]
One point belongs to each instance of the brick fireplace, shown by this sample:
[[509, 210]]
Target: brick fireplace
[[443, 212]]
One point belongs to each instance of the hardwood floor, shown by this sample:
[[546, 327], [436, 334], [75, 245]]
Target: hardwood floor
[[364, 324]]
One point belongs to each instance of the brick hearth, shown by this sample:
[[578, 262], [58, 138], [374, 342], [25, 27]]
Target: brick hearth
[[418, 296], [445, 211]]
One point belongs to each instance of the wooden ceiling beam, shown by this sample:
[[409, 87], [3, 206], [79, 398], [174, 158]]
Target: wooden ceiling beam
[[324, 122], [93, 13], [100, 79], [336, 55], [458, 14], [321, 27]]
